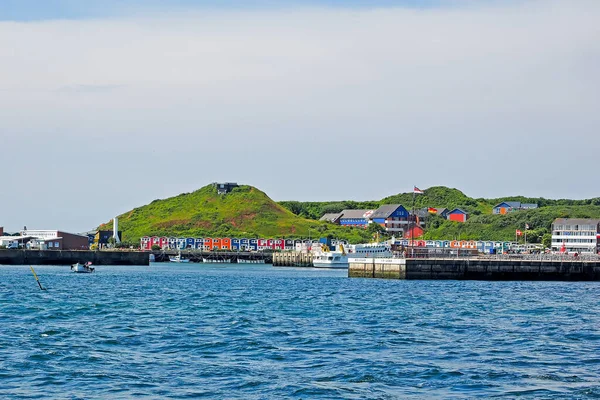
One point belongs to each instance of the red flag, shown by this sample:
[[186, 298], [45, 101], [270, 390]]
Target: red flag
[[519, 233], [416, 190], [563, 248]]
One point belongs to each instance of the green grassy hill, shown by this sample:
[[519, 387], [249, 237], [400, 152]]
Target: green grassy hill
[[482, 223], [245, 212], [503, 227], [248, 212]]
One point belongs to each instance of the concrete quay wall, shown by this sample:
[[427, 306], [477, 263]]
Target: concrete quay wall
[[68, 257], [476, 269], [292, 259]]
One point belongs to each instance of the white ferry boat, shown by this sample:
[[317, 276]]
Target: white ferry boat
[[371, 250], [330, 259], [339, 259]]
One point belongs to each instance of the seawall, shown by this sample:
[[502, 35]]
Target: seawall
[[475, 269], [68, 257]]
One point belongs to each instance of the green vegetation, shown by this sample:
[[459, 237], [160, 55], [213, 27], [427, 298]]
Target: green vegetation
[[482, 224], [244, 212], [248, 212], [316, 209], [503, 227]]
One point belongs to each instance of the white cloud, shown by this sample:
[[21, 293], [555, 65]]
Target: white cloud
[[480, 97]]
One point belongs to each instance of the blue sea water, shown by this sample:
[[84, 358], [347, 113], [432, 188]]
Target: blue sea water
[[257, 332]]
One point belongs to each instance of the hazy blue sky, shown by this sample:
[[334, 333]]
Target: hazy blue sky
[[108, 105]]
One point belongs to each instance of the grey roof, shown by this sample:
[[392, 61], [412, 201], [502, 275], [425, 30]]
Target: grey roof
[[354, 214], [330, 217], [385, 211], [576, 221], [517, 204], [441, 211], [529, 205], [513, 204]]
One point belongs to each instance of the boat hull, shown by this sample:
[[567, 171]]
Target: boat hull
[[184, 260], [321, 264], [81, 269]]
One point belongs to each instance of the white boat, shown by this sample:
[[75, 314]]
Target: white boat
[[371, 250], [216, 260], [82, 268], [331, 259], [178, 259], [339, 259], [243, 261]]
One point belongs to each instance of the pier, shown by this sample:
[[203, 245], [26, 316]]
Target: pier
[[214, 256], [292, 259], [68, 257], [476, 269]]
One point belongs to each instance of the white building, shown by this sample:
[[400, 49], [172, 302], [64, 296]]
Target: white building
[[576, 235]]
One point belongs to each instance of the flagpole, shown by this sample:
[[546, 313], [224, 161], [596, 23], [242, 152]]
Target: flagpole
[[412, 231]]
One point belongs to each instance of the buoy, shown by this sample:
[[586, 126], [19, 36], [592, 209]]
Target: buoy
[[37, 279]]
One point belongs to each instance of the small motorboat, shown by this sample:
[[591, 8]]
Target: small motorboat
[[83, 268], [178, 259]]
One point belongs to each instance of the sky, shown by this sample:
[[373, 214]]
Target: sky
[[108, 105]]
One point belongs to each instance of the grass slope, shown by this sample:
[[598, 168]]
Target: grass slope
[[245, 212], [482, 223]]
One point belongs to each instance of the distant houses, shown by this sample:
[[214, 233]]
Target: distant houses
[[510, 206], [356, 218], [399, 221], [394, 218]]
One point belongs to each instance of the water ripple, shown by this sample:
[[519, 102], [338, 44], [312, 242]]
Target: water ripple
[[259, 332]]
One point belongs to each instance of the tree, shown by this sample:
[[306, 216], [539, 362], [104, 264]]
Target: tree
[[155, 247], [375, 229], [547, 240]]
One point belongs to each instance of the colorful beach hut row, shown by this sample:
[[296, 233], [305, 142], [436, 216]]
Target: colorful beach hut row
[[480, 245], [209, 244]]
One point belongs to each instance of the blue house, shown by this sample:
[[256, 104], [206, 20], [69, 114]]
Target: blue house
[[393, 217], [190, 243], [235, 244]]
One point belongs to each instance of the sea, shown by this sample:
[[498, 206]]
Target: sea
[[263, 332]]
